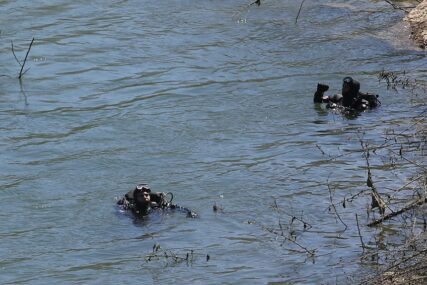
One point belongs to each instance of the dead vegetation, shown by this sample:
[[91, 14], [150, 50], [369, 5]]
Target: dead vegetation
[[175, 256], [403, 207]]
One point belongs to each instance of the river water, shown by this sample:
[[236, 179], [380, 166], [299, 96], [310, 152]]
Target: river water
[[210, 100]]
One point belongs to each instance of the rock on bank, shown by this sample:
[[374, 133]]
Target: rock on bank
[[417, 19]]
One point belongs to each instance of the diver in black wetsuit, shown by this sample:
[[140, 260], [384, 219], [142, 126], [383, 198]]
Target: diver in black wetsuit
[[141, 201], [350, 98]]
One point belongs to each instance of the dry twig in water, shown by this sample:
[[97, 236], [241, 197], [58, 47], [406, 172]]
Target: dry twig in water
[[299, 11], [411, 205], [360, 235], [333, 206], [21, 72]]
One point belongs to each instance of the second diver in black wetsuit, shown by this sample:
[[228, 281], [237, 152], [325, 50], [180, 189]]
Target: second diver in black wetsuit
[[350, 98], [141, 201]]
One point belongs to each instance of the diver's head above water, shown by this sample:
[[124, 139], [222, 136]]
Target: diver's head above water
[[141, 196], [142, 201], [350, 90]]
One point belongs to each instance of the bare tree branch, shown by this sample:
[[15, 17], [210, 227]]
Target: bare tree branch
[[299, 11], [13, 51], [25, 60]]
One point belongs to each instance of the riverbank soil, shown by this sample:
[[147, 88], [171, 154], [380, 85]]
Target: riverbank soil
[[417, 19], [407, 264]]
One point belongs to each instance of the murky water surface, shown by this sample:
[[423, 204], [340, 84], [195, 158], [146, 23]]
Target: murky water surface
[[206, 99]]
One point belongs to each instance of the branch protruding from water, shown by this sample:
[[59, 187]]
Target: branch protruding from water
[[299, 11], [333, 206], [360, 235], [257, 2], [410, 206], [22, 72]]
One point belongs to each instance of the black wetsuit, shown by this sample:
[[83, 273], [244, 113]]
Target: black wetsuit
[[351, 98], [158, 201]]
